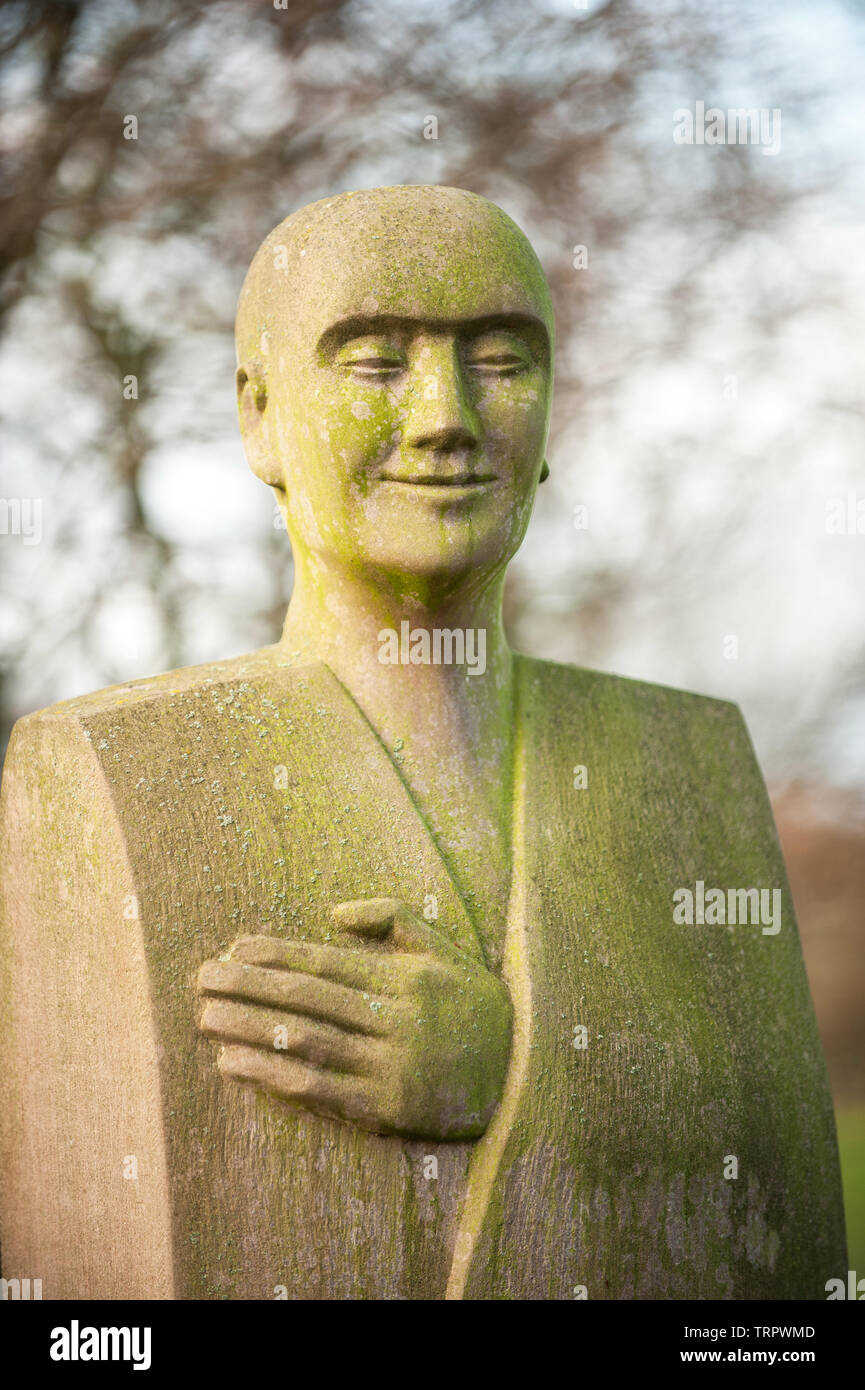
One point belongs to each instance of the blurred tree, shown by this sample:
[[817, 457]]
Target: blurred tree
[[149, 148]]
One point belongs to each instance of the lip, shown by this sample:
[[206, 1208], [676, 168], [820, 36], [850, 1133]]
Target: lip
[[457, 482], [442, 492]]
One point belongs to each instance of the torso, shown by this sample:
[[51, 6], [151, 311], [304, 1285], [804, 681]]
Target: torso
[[462, 785], [467, 803]]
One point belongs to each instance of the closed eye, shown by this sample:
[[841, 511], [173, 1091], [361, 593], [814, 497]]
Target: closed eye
[[504, 354], [373, 366], [371, 355], [505, 364]]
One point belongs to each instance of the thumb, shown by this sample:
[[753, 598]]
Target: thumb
[[386, 920]]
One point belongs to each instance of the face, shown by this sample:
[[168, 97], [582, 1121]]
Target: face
[[409, 421]]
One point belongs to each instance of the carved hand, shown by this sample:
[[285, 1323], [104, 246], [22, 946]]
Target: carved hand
[[399, 1032]]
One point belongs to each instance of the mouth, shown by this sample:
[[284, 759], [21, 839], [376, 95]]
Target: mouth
[[448, 485]]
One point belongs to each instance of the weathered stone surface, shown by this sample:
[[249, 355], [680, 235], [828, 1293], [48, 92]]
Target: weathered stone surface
[[397, 866]]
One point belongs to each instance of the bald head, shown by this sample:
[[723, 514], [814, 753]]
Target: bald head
[[394, 376], [408, 252]]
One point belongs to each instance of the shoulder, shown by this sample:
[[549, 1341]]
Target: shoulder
[[572, 691], [156, 689], [260, 672], [582, 683], [694, 747], [254, 684]]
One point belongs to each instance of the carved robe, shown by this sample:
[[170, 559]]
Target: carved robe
[[148, 826]]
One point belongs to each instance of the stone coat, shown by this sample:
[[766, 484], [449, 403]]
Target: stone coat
[[148, 826]]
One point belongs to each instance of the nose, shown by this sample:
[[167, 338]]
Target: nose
[[439, 413]]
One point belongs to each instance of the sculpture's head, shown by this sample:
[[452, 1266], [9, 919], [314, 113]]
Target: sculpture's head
[[394, 381]]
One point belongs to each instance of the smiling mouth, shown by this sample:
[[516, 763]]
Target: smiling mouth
[[455, 480]]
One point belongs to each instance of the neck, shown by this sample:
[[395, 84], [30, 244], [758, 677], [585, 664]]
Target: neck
[[386, 646]]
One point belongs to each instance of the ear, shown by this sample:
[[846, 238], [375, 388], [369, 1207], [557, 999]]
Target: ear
[[251, 408], [545, 472]]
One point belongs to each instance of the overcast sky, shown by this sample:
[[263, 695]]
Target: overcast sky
[[706, 469]]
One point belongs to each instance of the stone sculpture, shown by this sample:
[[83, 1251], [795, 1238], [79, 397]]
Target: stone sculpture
[[361, 967]]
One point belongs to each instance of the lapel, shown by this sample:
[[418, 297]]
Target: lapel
[[393, 826], [604, 1167], [251, 798]]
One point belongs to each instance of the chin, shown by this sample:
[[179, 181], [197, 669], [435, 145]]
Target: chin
[[446, 565]]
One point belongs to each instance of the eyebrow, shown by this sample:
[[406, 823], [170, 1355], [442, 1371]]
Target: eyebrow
[[370, 325]]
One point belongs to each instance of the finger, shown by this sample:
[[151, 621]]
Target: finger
[[338, 1097], [369, 917], [380, 919], [294, 992], [355, 969], [288, 1034]]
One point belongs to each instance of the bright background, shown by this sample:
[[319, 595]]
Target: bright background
[[709, 402]]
